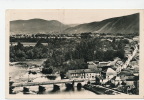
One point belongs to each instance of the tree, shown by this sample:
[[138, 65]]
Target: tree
[[20, 54], [39, 44], [99, 55], [125, 41], [120, 53], [48, 66], [49, 62], [19, 46], [76, 64], [47, 70], [109, 55], [30, 54], [85, 35]]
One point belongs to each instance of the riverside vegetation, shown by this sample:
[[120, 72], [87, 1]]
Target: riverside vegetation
[[65, 54]]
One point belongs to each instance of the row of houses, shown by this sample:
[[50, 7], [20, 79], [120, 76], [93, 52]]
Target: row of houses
[[95, 68], [106, 71]]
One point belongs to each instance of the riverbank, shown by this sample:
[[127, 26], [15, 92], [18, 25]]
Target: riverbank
[[98, 89], [19, 73]]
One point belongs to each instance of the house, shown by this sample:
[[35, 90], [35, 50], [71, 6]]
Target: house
[[127, 50], [117, 80], [96, 64], [83, 74], [117, 61], [134, 63], [108, 72], [129, 77], [101, 64], [125, 74], [136, 38], [130, 80], [92, 64]]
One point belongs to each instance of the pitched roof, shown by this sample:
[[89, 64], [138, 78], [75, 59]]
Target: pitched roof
[[84, 71], [112, 63], [132, 78], [110, 71], [101, 64], [126, 73]]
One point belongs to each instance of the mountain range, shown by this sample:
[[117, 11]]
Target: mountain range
[[122, 24], [34, 26]]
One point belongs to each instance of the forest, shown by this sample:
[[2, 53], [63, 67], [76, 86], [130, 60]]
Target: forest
[[70, 53]]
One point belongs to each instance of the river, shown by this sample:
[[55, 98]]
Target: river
[[19, 73]]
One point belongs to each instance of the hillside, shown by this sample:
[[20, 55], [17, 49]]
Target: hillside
[[34, 26], [124, 24]]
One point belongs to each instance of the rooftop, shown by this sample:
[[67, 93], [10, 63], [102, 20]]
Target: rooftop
[[126, 73], [84, 71]]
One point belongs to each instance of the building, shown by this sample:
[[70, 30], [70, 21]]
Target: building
[[136, 38], [92, 64], [88, 74], [110, 73], [101, 64]]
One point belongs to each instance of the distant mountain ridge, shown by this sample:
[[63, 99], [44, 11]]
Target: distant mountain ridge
[[34, 26], [123, 24]]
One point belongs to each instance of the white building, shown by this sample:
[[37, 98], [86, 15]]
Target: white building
[[88, 74]]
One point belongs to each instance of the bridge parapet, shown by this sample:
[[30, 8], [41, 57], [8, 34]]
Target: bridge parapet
[[44, 83]]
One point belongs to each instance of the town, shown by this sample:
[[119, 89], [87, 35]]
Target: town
[[109, 68], [87, 53]]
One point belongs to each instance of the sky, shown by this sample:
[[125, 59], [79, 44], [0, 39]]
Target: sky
[[68, 16]]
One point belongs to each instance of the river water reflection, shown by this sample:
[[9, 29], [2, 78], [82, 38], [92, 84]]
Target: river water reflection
[[62, 91]]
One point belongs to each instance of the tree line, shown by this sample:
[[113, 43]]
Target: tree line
[[66, 54], [21, 53]]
